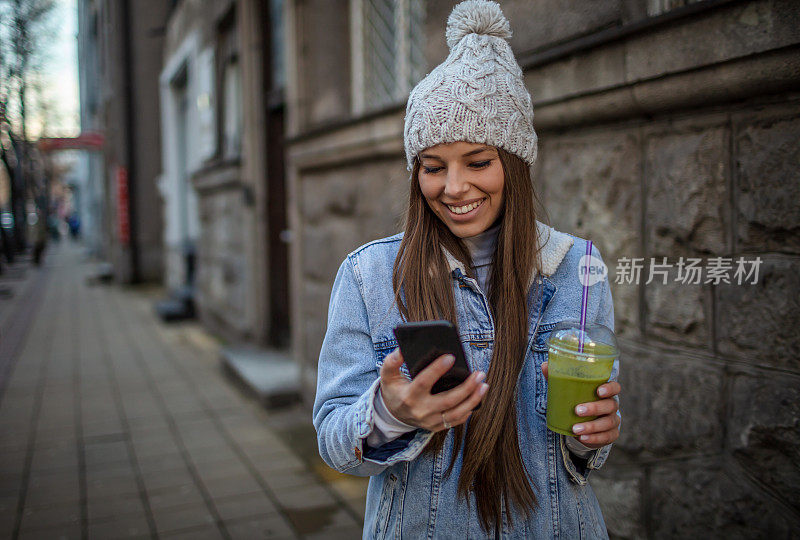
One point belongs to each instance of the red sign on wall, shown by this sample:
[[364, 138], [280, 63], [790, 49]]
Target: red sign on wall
[[123, 217], [88, 140]]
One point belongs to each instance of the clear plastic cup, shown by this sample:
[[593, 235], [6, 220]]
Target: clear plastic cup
[[574, 375]]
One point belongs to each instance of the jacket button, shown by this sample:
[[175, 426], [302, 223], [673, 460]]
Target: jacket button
[[358, 453]]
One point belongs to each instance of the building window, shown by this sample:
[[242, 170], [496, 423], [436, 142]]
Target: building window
[[657, 7], [276, 43], [232, 111], [229, 88], [386, 51]]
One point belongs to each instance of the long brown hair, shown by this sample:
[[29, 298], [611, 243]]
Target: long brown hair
[[492, 464]]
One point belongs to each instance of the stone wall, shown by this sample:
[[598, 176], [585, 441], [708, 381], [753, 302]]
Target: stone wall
[[710, 436], [671, 144], [341, 208], [222, 270]]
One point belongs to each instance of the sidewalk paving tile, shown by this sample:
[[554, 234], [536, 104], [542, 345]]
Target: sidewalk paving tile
[[244, 506], [305, 497], [232, 485], [221, 468], [57, 439], [103, 427], [101, 454], [204, 456], [278, 480], [51, 516], [110, 470], [55, 458], [184, 517], [198, 442], [321, 519], [156, 448], [61, 532], [9, 485], [55, 480], [158, 464], [52, 495], [167, 479], [349, 532], [130, 526], [101, 488], [268, 464], [114, 506], [13, 462], [206, 532], [273, 526], [173, 497]]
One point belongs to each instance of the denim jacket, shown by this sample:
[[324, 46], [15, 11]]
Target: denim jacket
[[409, 495]]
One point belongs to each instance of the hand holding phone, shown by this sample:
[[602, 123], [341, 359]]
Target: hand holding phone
[[423, 342], [413, 403]]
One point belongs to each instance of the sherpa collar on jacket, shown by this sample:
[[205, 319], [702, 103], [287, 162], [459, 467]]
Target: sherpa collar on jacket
[[555, 246]]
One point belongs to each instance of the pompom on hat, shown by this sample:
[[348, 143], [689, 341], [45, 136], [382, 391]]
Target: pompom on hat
[[477, 94]]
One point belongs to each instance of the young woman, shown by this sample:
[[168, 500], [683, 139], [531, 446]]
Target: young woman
[[474, 253]]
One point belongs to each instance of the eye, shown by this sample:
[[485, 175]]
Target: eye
[[431, 170], [480, 164]]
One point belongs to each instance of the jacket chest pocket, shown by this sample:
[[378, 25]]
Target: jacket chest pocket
[[538, 355], [382, 350]]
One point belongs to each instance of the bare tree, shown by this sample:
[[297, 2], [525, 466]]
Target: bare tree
[[23, 37]]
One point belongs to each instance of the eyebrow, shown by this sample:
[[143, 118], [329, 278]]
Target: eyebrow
[[470, 153]]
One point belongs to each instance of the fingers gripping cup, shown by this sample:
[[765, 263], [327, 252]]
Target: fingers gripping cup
[[578, 362]]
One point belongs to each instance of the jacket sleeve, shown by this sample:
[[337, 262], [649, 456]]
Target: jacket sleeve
[[605, 316], [347, 381], [580, 468]]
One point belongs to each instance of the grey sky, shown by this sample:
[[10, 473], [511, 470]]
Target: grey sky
[[60, 76]]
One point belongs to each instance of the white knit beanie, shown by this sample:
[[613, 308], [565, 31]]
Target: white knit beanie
[[477, 94]]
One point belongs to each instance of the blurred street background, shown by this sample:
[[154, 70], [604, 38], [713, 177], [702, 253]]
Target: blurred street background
[[180, 179]]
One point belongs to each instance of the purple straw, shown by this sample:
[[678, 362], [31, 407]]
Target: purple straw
[[584, 296]]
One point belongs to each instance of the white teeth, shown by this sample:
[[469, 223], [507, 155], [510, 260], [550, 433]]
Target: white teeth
[[466, 208]]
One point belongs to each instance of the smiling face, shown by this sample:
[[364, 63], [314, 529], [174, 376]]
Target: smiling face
[[463, 185]]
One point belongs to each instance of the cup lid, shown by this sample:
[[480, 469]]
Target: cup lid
[[568, 335]]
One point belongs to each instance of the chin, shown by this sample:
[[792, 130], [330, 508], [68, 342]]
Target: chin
[[465, 231]]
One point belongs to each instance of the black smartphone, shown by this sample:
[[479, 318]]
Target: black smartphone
[[423, 342]]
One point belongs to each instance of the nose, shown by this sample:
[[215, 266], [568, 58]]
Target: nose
[[456, 185]]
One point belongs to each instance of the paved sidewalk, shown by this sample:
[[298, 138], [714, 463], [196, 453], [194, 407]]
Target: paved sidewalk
[[113, 425]]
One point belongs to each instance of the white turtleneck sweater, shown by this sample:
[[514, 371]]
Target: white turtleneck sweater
[[481, 249]]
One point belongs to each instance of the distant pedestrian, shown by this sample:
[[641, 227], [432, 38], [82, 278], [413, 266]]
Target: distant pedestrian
[[474, 253], [74, 225], [39, 237]]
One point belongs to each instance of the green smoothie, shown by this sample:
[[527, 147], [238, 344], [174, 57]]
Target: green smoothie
[[573, 378]]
